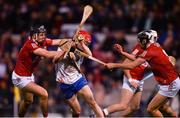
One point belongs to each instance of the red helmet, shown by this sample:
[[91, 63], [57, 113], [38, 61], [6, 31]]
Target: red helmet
[[83, 35]]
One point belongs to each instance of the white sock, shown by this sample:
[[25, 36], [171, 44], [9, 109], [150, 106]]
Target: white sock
[[105, 112]]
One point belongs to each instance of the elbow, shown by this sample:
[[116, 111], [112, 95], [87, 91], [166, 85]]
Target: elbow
[[130, 66], [48, 56]]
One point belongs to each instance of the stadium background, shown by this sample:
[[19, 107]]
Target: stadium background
[[112, 21]]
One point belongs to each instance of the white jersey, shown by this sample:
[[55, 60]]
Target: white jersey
[[66, 70]]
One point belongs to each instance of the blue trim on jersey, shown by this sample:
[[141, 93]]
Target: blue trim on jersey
[[70, 89]]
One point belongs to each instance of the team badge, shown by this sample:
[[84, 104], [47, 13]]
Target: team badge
[[34, 45]]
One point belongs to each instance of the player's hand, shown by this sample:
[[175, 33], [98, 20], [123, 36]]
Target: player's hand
[[134, 84], [58, 56], [172, 60], [60, 81], [66, 45], [72, 56], [118, 48], [110, 65]]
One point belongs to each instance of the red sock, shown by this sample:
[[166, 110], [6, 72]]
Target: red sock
[[45, 115]]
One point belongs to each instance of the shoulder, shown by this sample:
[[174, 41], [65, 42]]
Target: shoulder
[[137, 46], [137, 49], [31, 45], [48, 41], [153, 50], [155, 46]]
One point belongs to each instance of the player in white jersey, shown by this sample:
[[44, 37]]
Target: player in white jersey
[[71, 80]]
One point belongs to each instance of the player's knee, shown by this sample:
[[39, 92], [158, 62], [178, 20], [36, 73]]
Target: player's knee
[[135, 108], [149, 109], [92, 102], [123, 106], [164, 108], [28, 101], [44, 94]]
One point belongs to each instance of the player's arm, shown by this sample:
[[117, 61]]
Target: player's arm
[[129, 56], [85, 48], [59, 41], [119, 48], [127, 73], [126, 65], [130, 79], [48, 54], [172, 60]]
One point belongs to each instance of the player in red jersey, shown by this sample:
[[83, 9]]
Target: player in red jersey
[[163, 70], [29, 56], [131, 90]]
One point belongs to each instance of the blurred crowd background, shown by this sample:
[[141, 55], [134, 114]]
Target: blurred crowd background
[[112, 21]]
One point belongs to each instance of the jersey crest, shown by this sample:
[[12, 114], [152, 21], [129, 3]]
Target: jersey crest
[[34, 45]]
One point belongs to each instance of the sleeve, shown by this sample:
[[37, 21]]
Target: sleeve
[[33, 46], [48, 41], [136, 50], [148, 55]]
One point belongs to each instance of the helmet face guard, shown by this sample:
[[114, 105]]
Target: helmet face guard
[[144, 38], [85, 36]]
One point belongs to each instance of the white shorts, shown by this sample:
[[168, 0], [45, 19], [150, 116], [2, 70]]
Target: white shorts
[[21, 81], [127, 85], [170, 90]]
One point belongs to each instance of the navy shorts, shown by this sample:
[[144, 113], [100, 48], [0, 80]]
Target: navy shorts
[[70, 89]]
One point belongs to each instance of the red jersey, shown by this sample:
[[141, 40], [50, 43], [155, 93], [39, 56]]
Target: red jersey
[[27, 60], [137, 73], [161, 66]]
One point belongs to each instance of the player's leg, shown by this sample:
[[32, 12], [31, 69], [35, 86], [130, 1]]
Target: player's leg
[[86, 93], [165, 93], [127, 93], [126, 96], [41, 93], [134, 104], [168, 110], [158, 101], [25, 103], [27, 85], [69, 92], [75, 106]]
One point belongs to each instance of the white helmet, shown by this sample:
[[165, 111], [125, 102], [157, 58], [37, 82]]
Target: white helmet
[[153, 36]]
